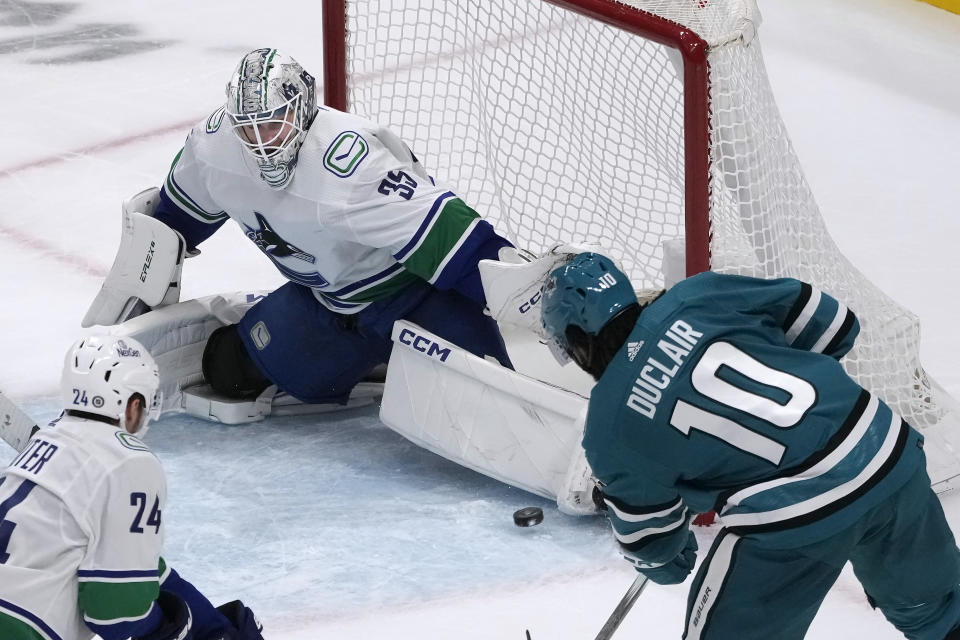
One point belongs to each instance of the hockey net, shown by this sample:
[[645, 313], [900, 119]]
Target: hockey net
[[648, 126]]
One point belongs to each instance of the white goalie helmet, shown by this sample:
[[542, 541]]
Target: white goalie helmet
[[271, 102], [101, 373]]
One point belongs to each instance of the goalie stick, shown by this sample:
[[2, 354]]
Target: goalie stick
[[16, 427]]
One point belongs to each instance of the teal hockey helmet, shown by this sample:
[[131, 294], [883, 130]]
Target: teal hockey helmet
[[585, 293]]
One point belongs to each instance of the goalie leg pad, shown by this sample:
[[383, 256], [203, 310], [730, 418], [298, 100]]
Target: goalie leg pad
[[228, 368], [484, 416]]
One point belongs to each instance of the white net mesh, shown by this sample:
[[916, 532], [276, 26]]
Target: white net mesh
[[557, 127]]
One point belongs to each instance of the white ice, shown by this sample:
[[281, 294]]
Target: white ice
[[335, 526]]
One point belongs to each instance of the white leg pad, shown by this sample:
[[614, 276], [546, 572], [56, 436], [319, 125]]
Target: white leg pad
[[177, 335], [498, 422], [203, 402]]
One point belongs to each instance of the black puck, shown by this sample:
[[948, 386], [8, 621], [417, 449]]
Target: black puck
[[528, 516]]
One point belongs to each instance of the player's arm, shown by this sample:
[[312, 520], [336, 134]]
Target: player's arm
[[811, 319], [652, 526], [816, 321], [185, 204], [231, 621], [125, 588], [428, 228], [118, 578], [447, 245]]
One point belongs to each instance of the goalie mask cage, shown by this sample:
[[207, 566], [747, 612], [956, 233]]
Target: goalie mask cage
[[643, 125]]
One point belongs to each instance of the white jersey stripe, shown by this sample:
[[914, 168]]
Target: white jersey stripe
[[104, 623], [636, 536], [338, 305], [435, 211], [366, 283], [805, 316], [852, 440], [641, 517], [117, 580], [823, 499], [708, 594], [832, 330]]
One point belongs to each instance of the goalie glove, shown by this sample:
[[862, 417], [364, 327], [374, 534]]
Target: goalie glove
[[513, 285], [146, 271]]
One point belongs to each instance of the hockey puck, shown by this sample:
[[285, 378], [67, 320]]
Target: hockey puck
[[528, 516]]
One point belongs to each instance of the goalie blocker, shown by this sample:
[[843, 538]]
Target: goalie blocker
[[146, 270]]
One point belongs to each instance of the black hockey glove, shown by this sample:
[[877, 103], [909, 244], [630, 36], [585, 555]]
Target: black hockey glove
[[672, 572], [177, 621], [244, 624]]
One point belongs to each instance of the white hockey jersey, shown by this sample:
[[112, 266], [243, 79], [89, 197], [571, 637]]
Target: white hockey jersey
[[80, 532], [360, 220]]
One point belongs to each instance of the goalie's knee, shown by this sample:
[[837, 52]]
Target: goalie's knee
[[228, 368]]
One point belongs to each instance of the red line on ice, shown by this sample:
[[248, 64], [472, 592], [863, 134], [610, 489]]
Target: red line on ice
[[57, 253], [98, 147], [75, 262]]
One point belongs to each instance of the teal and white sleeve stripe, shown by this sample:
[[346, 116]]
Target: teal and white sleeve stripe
[[654, 532], [819, 323], [863, 451]]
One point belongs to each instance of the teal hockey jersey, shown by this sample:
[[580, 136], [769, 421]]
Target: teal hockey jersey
[[729, 395]]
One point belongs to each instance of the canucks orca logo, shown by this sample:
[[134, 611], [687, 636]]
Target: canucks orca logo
[[276, 248], [270, 242]]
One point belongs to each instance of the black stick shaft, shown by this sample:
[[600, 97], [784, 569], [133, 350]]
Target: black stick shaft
[[623, 607]]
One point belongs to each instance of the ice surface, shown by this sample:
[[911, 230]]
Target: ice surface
[[335, 526]]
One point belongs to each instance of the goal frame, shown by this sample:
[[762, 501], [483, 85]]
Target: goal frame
[[696, 97], [714, 218]]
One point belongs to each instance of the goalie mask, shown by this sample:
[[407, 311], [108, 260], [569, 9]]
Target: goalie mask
[[271, 102], [580, 299], [101, 373]]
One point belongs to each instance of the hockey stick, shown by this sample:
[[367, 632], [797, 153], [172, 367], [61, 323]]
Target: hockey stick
[[620, 612], [623, 607], [16, 427]]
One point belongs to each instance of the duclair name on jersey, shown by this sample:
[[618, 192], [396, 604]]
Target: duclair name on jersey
[[676, 344]]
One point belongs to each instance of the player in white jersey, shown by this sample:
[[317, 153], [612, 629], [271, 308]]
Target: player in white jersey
[[81, 517], [348, 215]]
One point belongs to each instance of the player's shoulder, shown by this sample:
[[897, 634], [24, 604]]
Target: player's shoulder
[[72, 456], [712, 283], [348, 146], [211, 140], [128, 461], [330, 122], [110, 445]]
